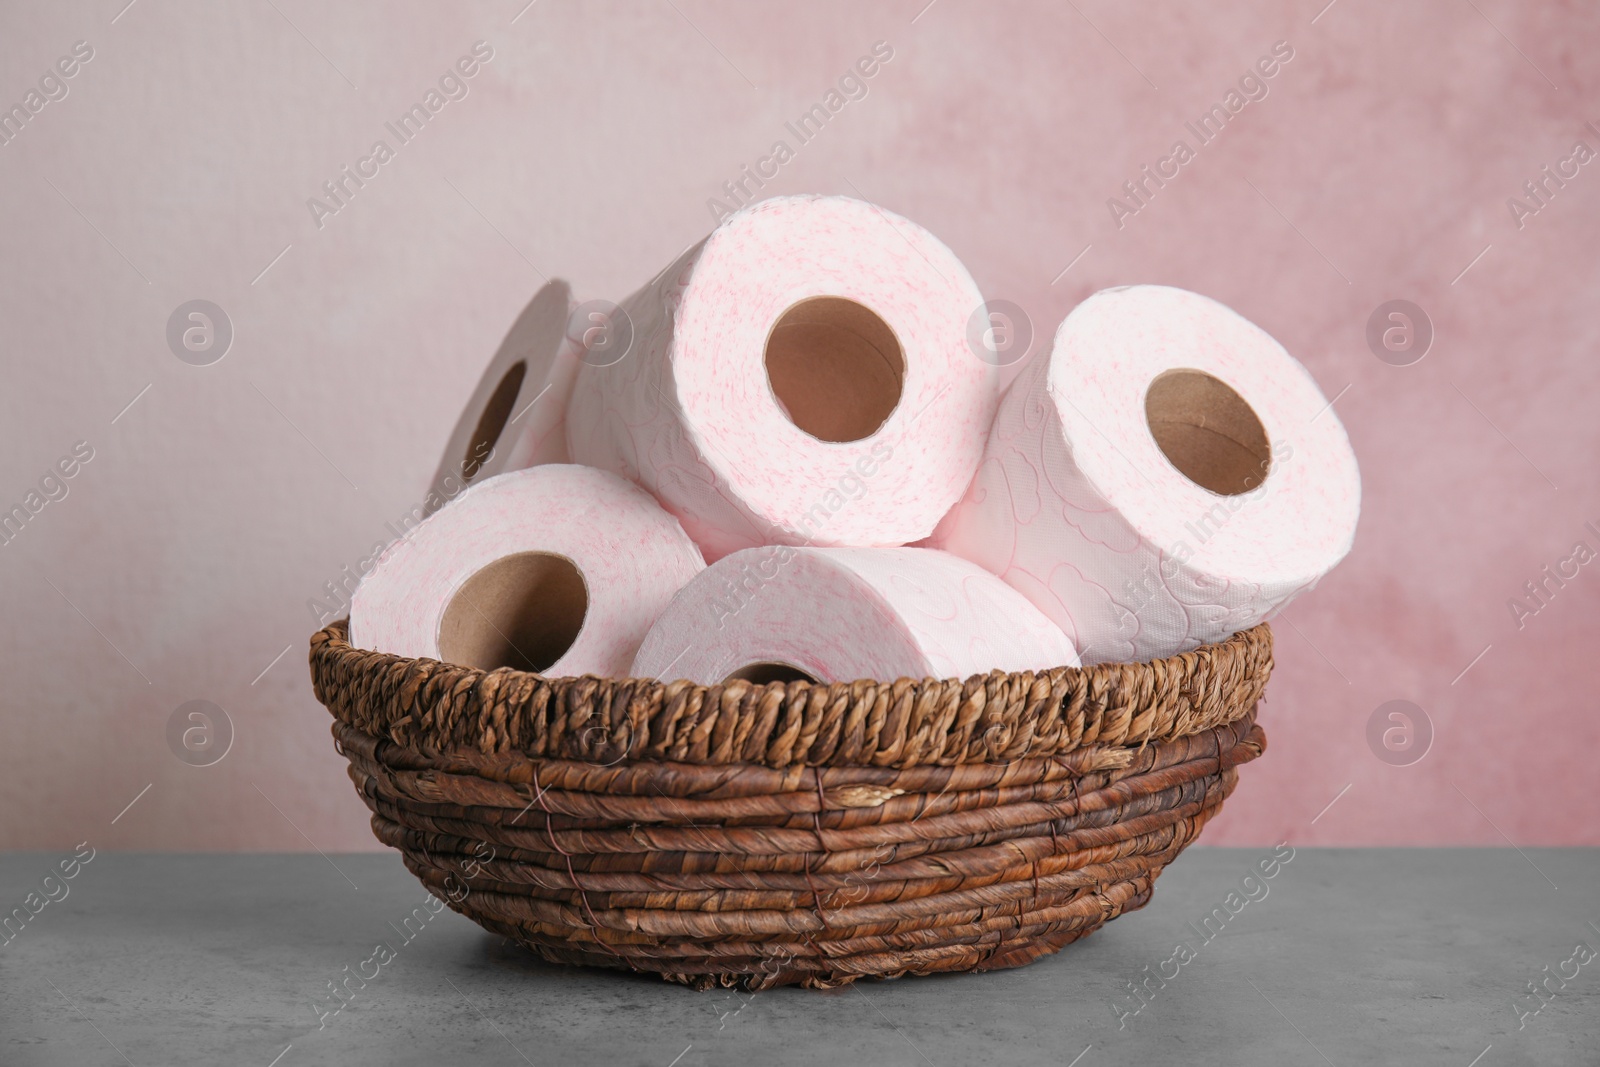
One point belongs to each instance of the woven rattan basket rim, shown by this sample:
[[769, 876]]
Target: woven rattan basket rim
[[997, 717]]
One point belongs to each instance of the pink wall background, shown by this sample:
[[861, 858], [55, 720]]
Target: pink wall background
[[1378, 167]]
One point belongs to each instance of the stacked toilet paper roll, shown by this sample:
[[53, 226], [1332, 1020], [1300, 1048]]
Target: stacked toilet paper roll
[[798, 396], [558, 568], [1166, 476], [838, 614], [516, 416], [810, 352]]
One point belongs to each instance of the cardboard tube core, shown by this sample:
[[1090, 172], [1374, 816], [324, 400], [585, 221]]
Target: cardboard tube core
[[1208, 431], [522, 611], [762, 673], [835, 367], [493, 420]]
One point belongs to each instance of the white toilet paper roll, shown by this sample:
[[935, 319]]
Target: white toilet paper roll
[[516, 417], [559, 569], [837, 614], [810, 352], [1166, 476]]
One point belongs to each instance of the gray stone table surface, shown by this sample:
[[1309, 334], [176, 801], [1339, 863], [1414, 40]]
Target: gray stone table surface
[[1343, 957]]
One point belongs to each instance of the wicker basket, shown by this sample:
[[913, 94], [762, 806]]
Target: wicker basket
[[793, 833]]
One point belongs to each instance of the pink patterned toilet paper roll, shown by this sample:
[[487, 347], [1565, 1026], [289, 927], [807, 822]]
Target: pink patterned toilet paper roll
[[559, 569], [802, 376], [1165, 476], [516, 416], [837, 614]]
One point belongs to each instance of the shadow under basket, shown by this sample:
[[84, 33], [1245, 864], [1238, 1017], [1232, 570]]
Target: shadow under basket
[[764, 835]]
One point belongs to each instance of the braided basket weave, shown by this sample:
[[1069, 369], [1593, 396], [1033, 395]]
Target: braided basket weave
[[793, 833]]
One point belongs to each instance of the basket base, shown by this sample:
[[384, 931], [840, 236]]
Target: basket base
[[743, 876], [1015, 944]]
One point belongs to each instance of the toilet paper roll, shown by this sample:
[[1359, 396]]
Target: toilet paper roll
[[516, 417], [1166, 476], [838, 614], [809, 353], [558, 569]]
